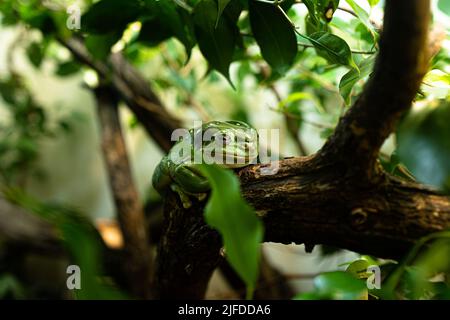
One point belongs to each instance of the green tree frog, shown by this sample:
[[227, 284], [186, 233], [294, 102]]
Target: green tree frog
[[229, 144]]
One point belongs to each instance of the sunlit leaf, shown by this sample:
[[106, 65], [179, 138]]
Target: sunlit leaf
[[340, 285], [349, 80], [363, 17], [444, 6], [332, 48]]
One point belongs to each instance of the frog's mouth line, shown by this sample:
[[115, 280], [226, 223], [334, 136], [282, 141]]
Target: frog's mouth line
[[233, 162]]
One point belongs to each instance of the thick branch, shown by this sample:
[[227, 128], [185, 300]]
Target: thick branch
[[133, 89], [129, 209], [302, 203], [399, 68], [19, 227]]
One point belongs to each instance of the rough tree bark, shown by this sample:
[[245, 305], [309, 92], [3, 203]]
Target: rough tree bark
[[129, 208], [340, 196]]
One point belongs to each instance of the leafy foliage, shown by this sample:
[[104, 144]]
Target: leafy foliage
[[81, 239], [325, 56], [424, 144], [274, 35]]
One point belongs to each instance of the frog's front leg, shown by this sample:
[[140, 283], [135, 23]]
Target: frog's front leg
[[189, 182]]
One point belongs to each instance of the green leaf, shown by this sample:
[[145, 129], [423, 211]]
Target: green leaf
[[349, 79], [424, 144], [153, 32], [67, 68], [35, 53], [444, 6], [332, 48], [165, 19], [321, 11], [10, 287], [310, 296], [79, 237], [217, 44], [363, 17], [373, 3], [106, 16], [100, 45], [340, 285], [274, 34], [221, 6], [241, 230]]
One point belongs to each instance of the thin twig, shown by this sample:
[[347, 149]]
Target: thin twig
[[307, 45]]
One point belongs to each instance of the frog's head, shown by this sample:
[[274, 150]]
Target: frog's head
[[232, 144]]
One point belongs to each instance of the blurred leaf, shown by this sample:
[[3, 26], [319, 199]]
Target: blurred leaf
[[321, 10], [310, 296], [394, 278], [394, 166], [153, 32], [424, 144], [165, 20], [67, 68], [349, 80], [363, 16], [36, 17], [241, 230], [373, 3], [287, 4], [35, 53], [80, 238], [221, 6], [444, 6], [274, 34], [10, 287], [108, 16], [217, 44], [340, 285], [332, 48], [100, 45]]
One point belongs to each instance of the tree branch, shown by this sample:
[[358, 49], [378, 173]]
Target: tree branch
[[399, 68], [129, 209], [302, 203], [133, 89], [339, 196]]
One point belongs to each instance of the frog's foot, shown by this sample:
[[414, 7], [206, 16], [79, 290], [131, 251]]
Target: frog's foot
[[183, 196], [201, 196]]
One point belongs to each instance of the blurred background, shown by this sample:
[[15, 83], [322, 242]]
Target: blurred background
[[50, 143]]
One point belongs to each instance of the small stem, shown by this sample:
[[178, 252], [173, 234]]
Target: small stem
[[183, 5], [293, 116], [307, 45]]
